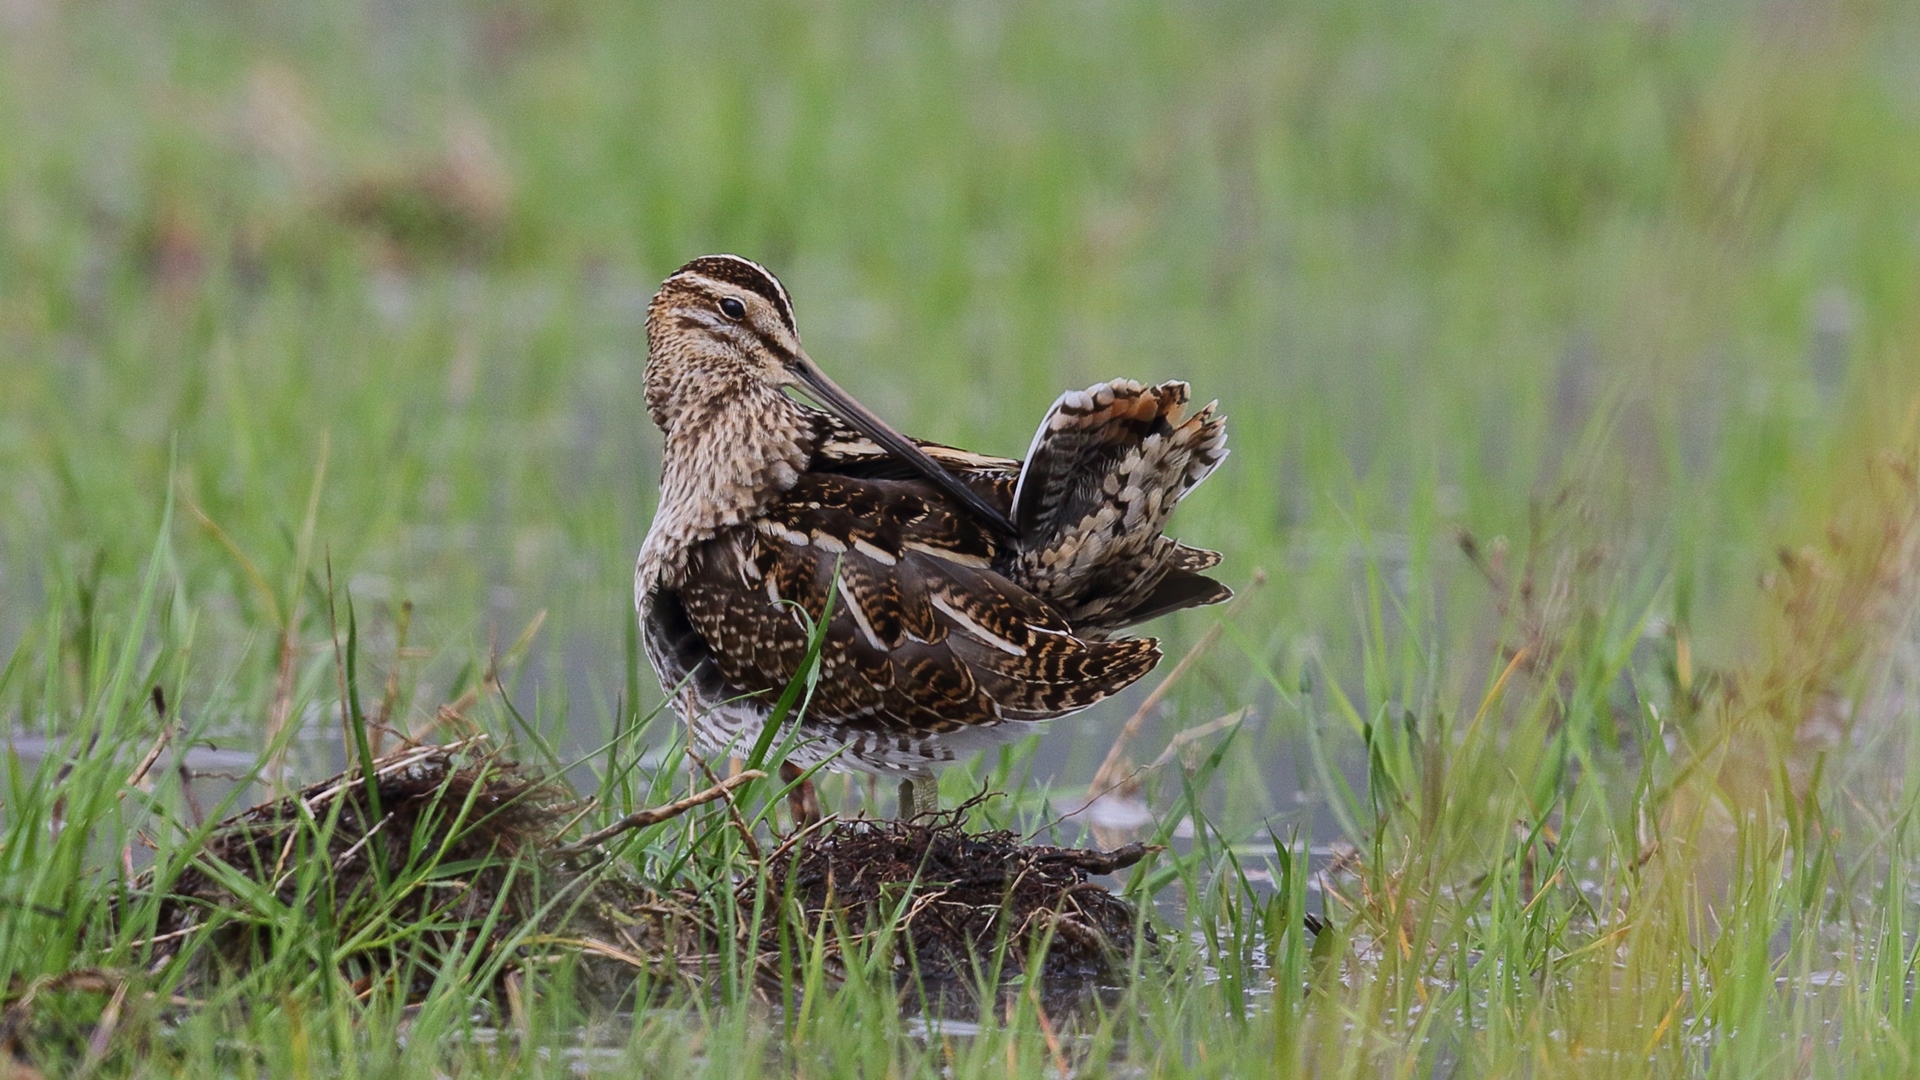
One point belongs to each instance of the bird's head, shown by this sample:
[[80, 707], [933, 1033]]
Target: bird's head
[[718, 326], [721, 329]]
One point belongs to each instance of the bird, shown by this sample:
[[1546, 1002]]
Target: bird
[[965, 597]]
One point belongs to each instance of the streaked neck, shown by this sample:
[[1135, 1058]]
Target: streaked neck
[[724, 463]]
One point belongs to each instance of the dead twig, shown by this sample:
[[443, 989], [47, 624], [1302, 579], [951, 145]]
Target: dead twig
[[640, 819], [1108, 777], [159, 746], [733, 812]]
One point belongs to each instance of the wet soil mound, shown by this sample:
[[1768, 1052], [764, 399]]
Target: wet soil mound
[[453, 852], [447, 854], [962, 903]]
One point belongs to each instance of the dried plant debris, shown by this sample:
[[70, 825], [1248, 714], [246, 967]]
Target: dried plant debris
[[454, 860], [956, 900], [444, 861]]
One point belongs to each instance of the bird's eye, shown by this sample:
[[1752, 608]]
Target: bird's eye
[[732, 308]]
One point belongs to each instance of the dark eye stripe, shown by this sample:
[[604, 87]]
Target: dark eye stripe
[[744, 274]]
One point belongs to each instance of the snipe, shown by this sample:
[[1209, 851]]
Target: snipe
[[971, 596]]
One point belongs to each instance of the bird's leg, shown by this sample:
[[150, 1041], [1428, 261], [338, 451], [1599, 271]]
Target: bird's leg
[[802, 802], [919, 794]]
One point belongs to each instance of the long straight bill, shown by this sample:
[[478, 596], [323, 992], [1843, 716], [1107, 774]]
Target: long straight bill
[[898, 445]]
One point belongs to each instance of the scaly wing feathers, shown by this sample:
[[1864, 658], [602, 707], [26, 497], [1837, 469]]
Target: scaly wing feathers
[[924, 637]]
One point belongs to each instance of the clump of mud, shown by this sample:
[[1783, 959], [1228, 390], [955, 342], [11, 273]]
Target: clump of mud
[[449, 853], [966, 902], [455, 852]]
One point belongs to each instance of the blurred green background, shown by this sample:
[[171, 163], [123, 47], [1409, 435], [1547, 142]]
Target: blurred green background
[[1608, 280]]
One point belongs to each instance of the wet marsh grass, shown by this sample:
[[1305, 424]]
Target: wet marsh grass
[[1570, 359]]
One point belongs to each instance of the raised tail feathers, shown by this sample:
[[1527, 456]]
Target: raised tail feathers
[[1106, 468]]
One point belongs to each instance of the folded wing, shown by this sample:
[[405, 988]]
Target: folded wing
[[923, 634]]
